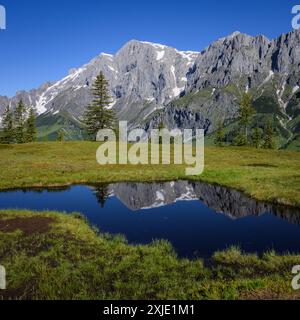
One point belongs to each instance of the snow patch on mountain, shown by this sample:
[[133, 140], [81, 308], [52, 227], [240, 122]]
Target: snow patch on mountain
[[113, 69], [295, 89], [160, 55], [155, 45], [41, 102], [176, 89], [110, 56], [269, 77]]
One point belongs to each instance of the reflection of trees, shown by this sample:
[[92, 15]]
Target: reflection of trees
[[102, 193], [36, 189]]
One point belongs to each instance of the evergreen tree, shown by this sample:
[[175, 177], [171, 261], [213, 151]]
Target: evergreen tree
[[220, 135], [30, 128], [8, 127], [102, 194], [98, 115], [256, 137], [20, 115], [161, 126], [246, 111], [269, 136], [60, 135], [241, 139]]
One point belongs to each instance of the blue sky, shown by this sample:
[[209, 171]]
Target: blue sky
[[44, 39]]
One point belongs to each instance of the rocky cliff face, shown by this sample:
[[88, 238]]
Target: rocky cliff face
[[232, 59], [143, 76], [152, 83], [234, 204], [269, 70], [247, 61]]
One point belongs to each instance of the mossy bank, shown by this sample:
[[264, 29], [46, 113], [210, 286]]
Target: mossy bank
[[60, 257]]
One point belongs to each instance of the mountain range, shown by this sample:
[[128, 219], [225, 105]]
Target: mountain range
[[233, 204], [153, 83]]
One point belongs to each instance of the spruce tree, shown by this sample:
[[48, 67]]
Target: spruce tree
[[161, 126], [8, 126], [241, 139], [219, 135], [60, 135], [246, 111], [20, 116], [102, 194], [256, 137], [30, 128], [98, 115], [269, 136]]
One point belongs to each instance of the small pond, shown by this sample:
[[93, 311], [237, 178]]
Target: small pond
[[197, 218]]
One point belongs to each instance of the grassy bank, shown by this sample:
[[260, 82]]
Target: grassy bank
[[57, 256], [264, 174]]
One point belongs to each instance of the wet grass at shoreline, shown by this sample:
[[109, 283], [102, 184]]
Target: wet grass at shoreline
[[266, 175], [65, 258]]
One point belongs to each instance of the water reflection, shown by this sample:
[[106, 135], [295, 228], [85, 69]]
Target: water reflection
[[230, 202], [102, 194], [197, 218]]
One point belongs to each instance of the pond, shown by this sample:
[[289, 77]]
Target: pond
[[197, 218]]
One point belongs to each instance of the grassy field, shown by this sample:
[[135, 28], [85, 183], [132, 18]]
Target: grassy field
[[263, 174], [56, 256], [51, 255]]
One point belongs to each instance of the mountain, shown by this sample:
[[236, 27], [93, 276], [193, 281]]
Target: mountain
[[270, 70], [143, 77], [233, 204], [152, 83]]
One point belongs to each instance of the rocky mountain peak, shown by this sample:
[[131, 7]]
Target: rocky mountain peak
[[147, 77]]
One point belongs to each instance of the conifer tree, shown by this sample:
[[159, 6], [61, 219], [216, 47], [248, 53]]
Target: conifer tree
[[98, 115], [102, 194], [246, 111], [20, 116], [269, 136], [256, 137], [220, 135], [30, 128], [161, 126], [60, 135], [8, 126], [241, 139]]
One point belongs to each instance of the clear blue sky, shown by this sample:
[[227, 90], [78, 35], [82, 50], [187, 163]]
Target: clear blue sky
[[44, 38]]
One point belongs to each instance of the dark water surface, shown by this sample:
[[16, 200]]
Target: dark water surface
[[198, 219]]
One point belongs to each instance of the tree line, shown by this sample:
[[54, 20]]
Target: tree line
[[258, 138], [18, 126], [98, 116]]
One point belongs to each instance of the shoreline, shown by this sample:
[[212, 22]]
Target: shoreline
[[263, 175], [58, 187], [45, 250]]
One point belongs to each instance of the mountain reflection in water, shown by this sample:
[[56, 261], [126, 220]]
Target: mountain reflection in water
[[197, 218]]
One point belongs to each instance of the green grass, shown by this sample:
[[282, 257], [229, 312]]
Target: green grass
[[281, 133], [49, 125], [71, 260], [270, 175], [294, 143]]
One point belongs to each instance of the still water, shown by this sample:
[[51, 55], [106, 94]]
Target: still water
[[198, 219]]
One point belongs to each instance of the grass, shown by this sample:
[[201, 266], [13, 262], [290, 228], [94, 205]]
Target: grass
[[268, 175], [64, 258], [56, 256], [295, 143]]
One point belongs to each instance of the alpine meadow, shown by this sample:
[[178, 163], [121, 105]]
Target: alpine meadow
[[149, 173]]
